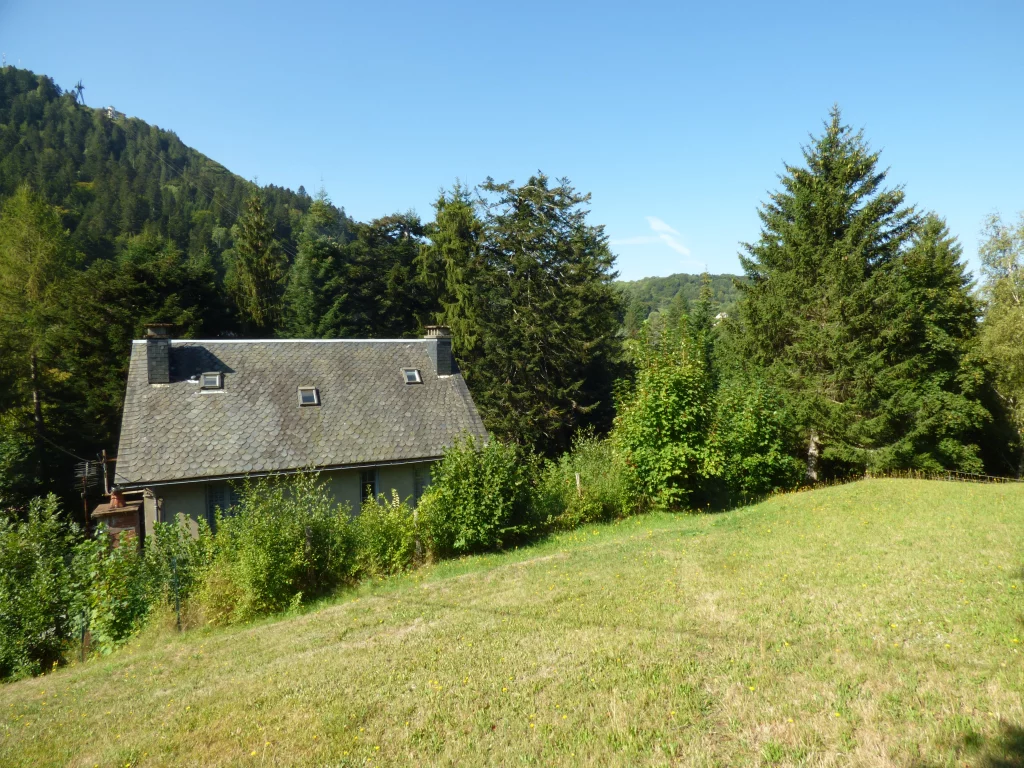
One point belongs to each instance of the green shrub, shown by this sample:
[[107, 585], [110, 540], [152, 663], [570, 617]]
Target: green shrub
[[176, 560], [285, 541], [37, 589], [665, 427], [480, 498], [385, 536], [753, 441], [586, 485], [118, 592]]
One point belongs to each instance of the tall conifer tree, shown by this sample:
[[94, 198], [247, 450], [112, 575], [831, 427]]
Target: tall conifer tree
[[528, 294], [259, 268], [807, 307]]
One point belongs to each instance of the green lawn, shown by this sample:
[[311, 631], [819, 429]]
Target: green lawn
[[878, 623]]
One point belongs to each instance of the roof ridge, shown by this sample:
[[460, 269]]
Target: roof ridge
[[289, 341]]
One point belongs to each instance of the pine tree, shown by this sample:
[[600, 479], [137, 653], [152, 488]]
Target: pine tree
[[807, 307], [923, 406], [259, 269], [529, 298], [36, 261], [307, 298]]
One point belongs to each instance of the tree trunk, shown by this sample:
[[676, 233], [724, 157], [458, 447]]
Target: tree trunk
[[813, 451], [37, 416]]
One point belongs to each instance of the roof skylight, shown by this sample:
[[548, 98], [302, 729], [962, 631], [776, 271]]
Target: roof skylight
[[213, 380]]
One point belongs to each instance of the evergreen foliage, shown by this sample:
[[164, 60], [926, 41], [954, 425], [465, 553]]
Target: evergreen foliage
[[926, 386], [258, 269], [859, 313], [528, 295]]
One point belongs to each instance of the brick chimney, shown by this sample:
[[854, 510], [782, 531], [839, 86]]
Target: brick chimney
[[439, 347], [158, 353]]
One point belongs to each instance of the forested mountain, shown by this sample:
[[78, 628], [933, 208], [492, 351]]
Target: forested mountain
[[110, 224], [656, 294], [114, 178]]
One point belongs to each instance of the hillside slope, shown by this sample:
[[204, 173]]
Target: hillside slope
[[117, 176], [877, 623]]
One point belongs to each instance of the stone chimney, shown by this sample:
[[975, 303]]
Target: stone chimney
[[158, 353], [439, 347]]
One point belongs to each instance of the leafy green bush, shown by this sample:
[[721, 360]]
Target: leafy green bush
[[118, 592], [665, 427], [586, 485], [37, 589], [385, 536], [480, 498], [285, 541], [753, 441], [175, 559]]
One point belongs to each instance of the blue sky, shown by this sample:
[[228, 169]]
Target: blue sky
[[677, 117]]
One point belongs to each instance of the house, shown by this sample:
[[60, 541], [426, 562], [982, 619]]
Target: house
[[369, 415]]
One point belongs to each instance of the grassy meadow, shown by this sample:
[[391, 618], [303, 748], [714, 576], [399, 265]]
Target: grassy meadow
[[877, 624]]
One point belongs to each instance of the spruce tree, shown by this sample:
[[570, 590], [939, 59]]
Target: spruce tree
[[259, 269], [807, 305], [921, 388], [529, 298], [307, 299]]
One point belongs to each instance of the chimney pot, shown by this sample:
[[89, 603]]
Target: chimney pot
[[438, 332]]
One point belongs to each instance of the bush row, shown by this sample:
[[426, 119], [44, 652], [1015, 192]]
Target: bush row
[[677, 442]]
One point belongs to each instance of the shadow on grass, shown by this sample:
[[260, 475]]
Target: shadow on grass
[[1006, 750]]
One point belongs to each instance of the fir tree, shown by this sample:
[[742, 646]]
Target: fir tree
[[307, 298], [259, 269], [529, 297], [920, 388], [807, 307]]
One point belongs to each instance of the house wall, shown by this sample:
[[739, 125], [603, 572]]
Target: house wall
[[188, 500]]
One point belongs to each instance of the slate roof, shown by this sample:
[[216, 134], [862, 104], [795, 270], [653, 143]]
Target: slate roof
[[368, 414]]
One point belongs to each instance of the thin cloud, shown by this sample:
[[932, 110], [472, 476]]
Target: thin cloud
[[638, 240], [664, 233], [675, 245], [660, 226]]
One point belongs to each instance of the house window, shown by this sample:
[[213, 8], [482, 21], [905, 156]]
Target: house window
[[309, 396], [212, 381], [412, 376], [220, 496], [421, 483], [367, 485]]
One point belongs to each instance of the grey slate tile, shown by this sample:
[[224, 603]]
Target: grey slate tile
[[367, 413]]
